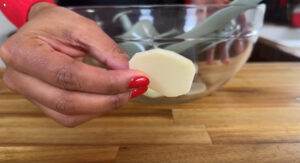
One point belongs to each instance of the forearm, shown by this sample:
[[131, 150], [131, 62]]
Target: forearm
[[17, 11]]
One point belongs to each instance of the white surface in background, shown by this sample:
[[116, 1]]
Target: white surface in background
[[191, 19], [286, 38], [5, 28], [257, 18]]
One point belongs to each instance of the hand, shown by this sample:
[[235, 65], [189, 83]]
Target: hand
[[224, 50], [230, 48], [44, 64]]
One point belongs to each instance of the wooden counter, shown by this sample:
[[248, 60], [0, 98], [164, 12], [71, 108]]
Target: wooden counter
[[254, 118]]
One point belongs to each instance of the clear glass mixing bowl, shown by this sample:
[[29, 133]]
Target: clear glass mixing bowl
[[217, 38]]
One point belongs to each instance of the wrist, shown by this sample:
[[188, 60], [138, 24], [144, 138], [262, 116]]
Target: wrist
[[18, 11]]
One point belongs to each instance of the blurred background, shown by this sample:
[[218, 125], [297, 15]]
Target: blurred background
[[280, 38]]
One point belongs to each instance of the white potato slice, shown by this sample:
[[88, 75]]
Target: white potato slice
[[153, 94], [170, 73]]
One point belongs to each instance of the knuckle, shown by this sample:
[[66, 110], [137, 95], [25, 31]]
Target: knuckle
[[4, 47], [117, 50], [65, 105], [4, 53], [66, 78], [70, 122], [68, 34], [76, 33], [115, 102], [18, 52], [110, 86], [91, 23], [8, 81], [72, 36], [34, 59], [81, 34]]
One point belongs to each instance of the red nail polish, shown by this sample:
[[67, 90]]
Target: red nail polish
[[139, 81], [138, 91]]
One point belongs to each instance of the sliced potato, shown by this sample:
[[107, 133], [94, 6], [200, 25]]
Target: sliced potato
[[170, 74], [153, 94]]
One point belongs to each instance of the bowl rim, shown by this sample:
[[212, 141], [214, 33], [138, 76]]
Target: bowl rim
[[92, 8], [156, 6]]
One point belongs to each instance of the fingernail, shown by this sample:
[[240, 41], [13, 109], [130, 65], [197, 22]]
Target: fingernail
[[139, 81], [138, 91]]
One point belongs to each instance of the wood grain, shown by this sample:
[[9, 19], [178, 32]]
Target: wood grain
[[262, 85], [60, 154], [275, 153], [40, 130], [253, 118], [247, 125]]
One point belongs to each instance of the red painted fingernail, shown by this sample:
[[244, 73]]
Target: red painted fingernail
[[138, 91], [139, 81]]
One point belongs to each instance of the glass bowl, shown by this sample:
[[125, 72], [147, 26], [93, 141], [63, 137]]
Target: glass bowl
[[218, 39]]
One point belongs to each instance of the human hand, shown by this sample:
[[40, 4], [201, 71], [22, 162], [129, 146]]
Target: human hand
[[229, 48], [44, 64]]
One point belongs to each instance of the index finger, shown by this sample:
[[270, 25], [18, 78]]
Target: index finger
[[38, 59], [101, 46]]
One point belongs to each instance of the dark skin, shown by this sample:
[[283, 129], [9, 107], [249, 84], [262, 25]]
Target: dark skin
[[44, 64]]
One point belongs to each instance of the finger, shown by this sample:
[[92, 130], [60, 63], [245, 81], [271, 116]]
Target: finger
[[242, 21], [64, 47], [101, 46], [62, 101], [88, 36], [222, 50], [38, 59], [210, 54], [65, 120], [238, 46], [221, 1]]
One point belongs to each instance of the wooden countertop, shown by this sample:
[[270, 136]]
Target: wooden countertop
[[255, 117]]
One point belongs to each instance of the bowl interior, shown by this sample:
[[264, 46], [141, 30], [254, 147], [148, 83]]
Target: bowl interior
[[218, 39], [161, 19]]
